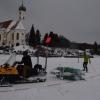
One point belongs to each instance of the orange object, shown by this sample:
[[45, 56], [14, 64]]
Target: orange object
[[8, 71]]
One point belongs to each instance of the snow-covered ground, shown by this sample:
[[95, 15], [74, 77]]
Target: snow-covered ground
[[54, 89]]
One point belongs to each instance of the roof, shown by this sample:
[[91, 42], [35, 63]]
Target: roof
[[5, 24], [11, 25]]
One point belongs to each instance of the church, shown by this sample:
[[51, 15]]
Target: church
[[12, 33]]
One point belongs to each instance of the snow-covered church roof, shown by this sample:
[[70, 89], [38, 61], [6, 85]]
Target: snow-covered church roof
[[10, 25]]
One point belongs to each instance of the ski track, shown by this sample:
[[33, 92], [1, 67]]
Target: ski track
[[62, 87], [51, 82], [48, 84]]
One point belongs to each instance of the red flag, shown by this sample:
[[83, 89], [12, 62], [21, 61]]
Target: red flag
[[48, 40]]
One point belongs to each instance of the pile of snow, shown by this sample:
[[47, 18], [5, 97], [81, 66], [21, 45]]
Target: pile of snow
[[23, 48]]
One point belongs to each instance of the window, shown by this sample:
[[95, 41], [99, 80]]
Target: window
[[17, 37], [0, 37]]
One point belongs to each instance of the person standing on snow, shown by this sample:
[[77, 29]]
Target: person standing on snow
[[86, 61], [27, 67]]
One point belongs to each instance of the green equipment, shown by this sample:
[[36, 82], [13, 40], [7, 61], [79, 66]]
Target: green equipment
[[68, 73]]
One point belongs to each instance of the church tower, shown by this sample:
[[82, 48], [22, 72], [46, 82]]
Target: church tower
[[22, 11]]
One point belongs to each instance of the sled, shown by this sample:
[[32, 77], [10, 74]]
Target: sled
[[68, 73]]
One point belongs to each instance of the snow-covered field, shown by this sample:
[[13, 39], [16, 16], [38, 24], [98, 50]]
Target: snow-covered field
[[54, 89]]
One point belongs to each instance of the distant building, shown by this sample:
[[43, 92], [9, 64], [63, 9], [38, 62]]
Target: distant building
[[12, 33]]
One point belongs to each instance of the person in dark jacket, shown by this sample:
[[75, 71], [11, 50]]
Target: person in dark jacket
[[26, 60]]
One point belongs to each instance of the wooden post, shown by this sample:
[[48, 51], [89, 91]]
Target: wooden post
[[46, 56], [38, 50], [78, 55]]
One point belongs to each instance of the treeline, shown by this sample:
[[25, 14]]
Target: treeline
[[56, 40], [34, 38]]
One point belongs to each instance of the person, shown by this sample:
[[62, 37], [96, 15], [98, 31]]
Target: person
[[86, 61], [26, 60]]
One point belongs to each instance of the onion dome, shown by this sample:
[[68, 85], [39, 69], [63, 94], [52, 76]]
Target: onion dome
[[22, 8]]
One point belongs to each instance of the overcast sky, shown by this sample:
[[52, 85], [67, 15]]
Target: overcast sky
[[78, 20]]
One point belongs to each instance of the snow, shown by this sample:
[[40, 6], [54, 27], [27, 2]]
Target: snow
[[23, 48], [54, 89]]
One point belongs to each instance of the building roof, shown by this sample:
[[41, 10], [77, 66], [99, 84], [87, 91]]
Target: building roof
[[11, 25], [5, 24]]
